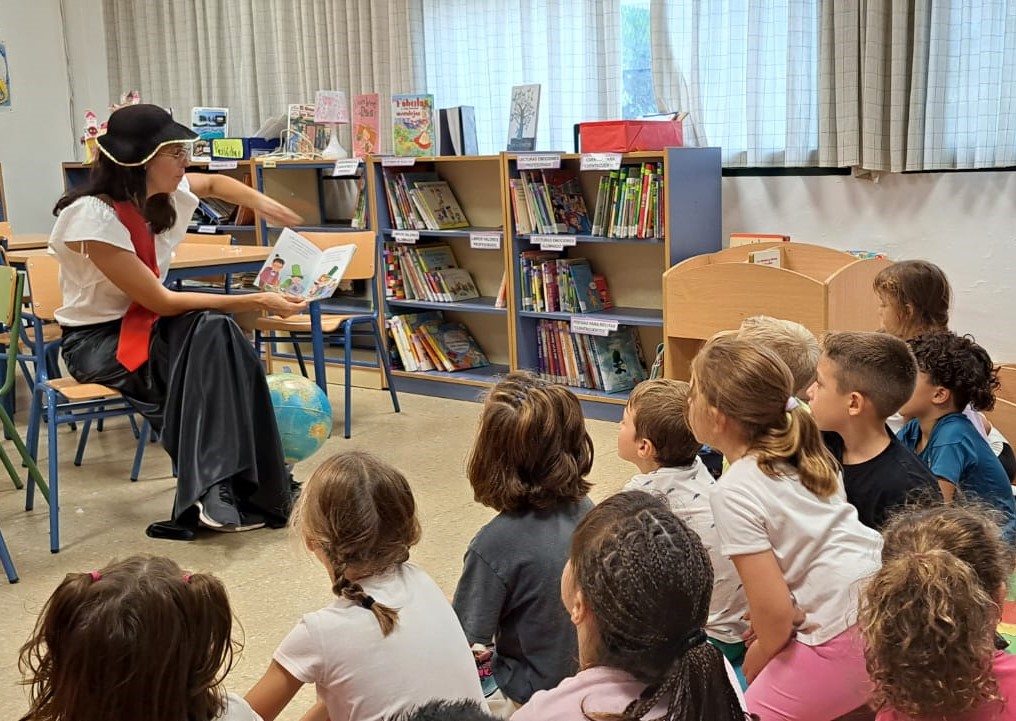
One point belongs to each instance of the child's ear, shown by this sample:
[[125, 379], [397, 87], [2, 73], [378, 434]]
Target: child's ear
[[856, 403], [578, 612], [646, 449], [942, 396]]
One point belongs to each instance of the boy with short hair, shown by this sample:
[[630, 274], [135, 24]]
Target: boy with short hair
[[654, 436], [792, 342], [862, 379]]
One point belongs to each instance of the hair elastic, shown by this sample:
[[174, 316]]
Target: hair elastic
[[792, 403], [367, 602], [186, 578], [690, 640], [96, 575]]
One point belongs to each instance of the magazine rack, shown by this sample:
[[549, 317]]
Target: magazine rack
[[821, 288]]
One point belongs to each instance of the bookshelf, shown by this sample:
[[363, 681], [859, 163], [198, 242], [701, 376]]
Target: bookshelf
[[476, 182], [690, 200]]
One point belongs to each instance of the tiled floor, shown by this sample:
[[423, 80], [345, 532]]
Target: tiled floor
[[270, 578]]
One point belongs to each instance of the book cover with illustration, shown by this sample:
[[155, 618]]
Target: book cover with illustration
[[455, 348], [522, 117], [303, 135], [413, 131], [441, 202], [208, 123], [619, 359], [366, 124], [298, 267]]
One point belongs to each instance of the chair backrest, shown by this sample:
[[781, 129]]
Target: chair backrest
[[44, 283], [5, 231], [12, 290], [361, 266], [208, 238]]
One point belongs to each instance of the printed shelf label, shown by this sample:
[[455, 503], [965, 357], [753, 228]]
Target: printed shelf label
[[538, 161], [397, 161], [485, 240], [600, 161], [405, 236], [592, 326], [222, 165], [209, 229], [345, 166], [552, 242]]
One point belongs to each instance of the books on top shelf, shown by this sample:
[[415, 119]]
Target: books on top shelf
[[552, 284], [523, 117], [413, 125], [303, 135], [611, 363], [365, 121], [426, 341], [426, 272], [298, 267], [458, 131], [422, 201], [548, 201], [629, 203]]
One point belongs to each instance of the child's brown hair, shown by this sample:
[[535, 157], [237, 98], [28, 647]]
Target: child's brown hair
[[928, 616], [753, 386], [360, 512], [659, 408], [138, 639], [532, 450], [877, 365], [919, 294], [792, 342], [647, 580]]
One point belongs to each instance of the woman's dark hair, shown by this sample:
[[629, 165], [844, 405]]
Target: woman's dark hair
[[139, 639], [107, 180], [532, 450], [647, 580], [960, 365]]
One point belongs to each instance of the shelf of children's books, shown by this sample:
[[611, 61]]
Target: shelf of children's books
[[484, 304], [451, 233], [579, 239], [482, 376], [650, 317]]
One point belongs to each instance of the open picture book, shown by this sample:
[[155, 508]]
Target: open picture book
[[298, 267]]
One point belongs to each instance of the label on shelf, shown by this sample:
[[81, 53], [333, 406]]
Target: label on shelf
[[538, 161], [268, 163], [405, 236], [345, 166], [600, 161], [552, 242], [592, 326], [210, 229], [489, 240], [393, 161], [222, 165]]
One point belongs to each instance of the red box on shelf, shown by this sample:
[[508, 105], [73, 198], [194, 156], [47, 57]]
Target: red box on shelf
[[625, 136]]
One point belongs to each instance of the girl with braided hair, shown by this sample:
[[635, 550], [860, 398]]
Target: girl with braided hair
[[358, 517], [783, 519], [637, 587]]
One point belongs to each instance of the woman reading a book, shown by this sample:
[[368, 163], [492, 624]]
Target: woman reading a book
[[177, 357]]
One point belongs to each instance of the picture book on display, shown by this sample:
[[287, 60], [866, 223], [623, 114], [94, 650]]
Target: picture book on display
[[298, 267], [413, 131], [458, 131], [611, 363], [303, 135], [426, 341], [522, 117], [366, 121], [208, 123]]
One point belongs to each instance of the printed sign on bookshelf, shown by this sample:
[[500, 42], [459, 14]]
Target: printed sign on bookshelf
[[539, 161], [600, 161], [552, 242], [390, 161], [592, 326], [222, 165], [488, 240], [405, 236], [345, 166]]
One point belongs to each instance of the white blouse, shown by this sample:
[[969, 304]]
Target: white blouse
[[88, 295]]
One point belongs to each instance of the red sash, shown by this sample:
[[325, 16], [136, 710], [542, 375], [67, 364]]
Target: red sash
[[136, 328]]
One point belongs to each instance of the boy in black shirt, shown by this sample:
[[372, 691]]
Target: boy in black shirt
[[863, 378]]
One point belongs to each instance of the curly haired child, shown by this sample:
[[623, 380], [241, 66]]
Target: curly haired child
[[637, 587], [529, 463], [137, 639], [357, 515], [931, 654], [784, 521], [954, 373]]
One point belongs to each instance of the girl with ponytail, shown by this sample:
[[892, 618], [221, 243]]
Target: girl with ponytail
[[783, 519], [637, 586], [929, 615], [357, 515]]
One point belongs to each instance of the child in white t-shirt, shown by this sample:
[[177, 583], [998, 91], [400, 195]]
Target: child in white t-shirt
[[390, 640], [783, 519], [654, 435]]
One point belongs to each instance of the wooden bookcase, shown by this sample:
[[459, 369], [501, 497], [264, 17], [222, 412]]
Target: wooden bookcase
[[633, 267], [477, 182], [4, 215], [821, 288]]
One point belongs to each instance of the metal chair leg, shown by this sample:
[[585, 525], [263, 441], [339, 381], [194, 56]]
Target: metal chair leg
[[7, 561]]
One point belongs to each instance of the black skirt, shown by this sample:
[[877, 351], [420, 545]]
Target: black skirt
[[204, 390]]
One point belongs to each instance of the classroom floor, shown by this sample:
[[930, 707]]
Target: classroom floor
[[271, 580]]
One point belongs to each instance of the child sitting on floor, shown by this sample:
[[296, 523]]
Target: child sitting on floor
[[863, 378], [529, 463], [654, 435]]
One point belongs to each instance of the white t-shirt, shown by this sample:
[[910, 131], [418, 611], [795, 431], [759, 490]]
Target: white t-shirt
[[824, 551], [88, 295], [237, 709], [687, 490], [362, 675]]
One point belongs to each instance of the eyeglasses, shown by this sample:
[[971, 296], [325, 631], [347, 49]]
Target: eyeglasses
[[177, 152]]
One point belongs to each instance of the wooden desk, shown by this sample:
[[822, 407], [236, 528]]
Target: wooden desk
[[27, 241]]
